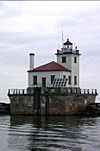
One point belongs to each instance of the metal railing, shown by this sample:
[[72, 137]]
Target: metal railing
[[68, 50]]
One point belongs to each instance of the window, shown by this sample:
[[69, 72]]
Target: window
[[63, 59], [75, 59], [52, 78], [75, 80], [69, 80], [64, 76], [34, 80]]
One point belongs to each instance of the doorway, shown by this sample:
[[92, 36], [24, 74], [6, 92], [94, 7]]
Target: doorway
[[44, 82]]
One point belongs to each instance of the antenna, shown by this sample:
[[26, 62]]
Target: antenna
[[62, 38]]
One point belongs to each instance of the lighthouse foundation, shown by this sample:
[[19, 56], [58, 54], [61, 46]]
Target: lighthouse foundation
[[50, 100]]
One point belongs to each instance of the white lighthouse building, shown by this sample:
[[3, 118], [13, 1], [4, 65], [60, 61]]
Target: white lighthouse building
[[63, 73], [69, 58]]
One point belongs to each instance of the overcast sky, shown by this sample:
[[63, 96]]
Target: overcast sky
[[36, 26]]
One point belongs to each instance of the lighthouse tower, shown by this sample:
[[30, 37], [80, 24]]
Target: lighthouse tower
[[69, 58]]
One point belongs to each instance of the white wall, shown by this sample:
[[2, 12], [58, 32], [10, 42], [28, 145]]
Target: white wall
[[74, 67], [68, 59], [58, 74], [75, 70]]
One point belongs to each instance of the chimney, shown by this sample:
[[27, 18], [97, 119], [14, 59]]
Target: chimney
[[31, 60]]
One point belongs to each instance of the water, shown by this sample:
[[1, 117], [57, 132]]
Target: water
[[28, 133]]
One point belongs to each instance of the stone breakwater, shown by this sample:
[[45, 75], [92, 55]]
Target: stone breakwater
[[4, 108]]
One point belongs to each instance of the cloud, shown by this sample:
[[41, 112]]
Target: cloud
[[34, 26]]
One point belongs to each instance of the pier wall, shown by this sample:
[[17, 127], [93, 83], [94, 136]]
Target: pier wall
[[50, 101], [21, 104]]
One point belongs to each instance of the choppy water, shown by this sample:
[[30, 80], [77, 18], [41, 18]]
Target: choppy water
[[22, 133]]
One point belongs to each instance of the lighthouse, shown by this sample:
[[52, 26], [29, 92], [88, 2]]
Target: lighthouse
[[53, 88], [69, 58]]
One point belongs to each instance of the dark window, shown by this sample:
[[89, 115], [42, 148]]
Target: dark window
[[64, 76], [63, 59], [34, 80], [75, 59], [52, 78], [69, 80], [75, 80]]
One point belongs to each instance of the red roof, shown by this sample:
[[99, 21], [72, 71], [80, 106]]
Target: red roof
[[51, 66], [68, 42]]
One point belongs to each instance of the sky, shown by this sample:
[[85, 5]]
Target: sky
[[36, 26]]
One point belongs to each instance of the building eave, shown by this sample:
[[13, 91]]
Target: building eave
[[48, 71]]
